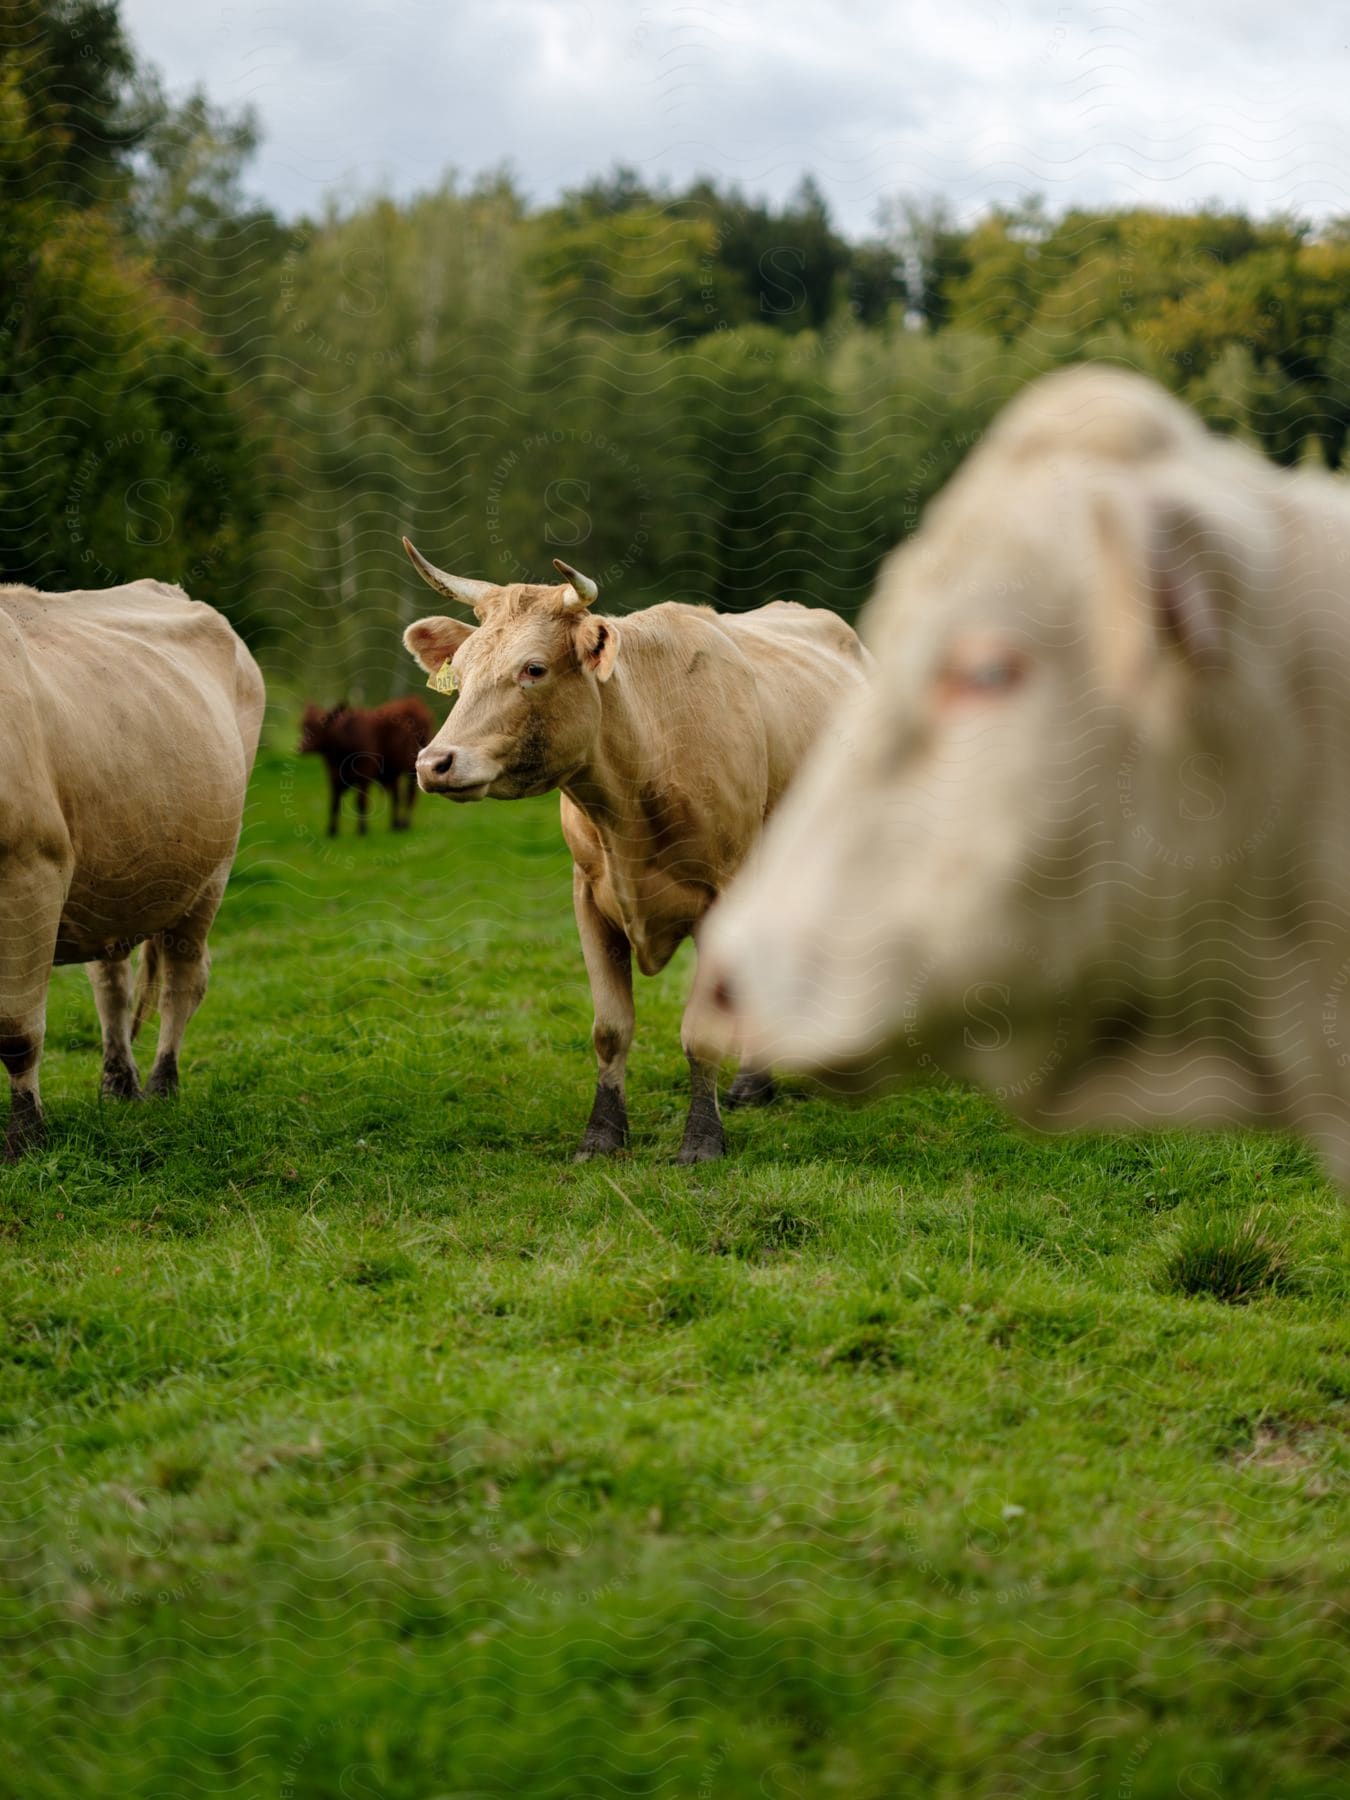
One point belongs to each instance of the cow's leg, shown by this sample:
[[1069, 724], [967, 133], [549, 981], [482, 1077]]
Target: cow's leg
[[185, 963], [30, 911], [111, 982], [704, 1138], [409, 798], [609, 963], [334, 801], [752, 1087], [362, 807], [399, 808]]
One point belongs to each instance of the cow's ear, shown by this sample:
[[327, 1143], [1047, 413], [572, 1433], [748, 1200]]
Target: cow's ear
[[433, 641], [597, 644], [1165, 583], [1190, 579]]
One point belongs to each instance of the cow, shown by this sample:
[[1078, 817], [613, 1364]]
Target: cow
[[131, 723], [1086, 840], [364, 745], [671, 733]]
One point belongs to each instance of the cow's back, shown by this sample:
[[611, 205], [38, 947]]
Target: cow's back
[[804, 659], [141, 713]]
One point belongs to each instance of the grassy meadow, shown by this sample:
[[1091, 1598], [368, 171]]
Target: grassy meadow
[[357, 1443]]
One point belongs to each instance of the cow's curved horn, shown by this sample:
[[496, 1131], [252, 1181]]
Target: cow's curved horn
[[587, 591], [451, 587]]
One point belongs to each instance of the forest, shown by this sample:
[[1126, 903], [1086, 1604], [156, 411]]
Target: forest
[[690, 393]]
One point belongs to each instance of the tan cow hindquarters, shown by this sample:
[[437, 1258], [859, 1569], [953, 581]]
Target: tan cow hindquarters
[[134, 716]]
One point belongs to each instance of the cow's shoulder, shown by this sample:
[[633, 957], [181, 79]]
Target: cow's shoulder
[[674, 635], [789, 623]]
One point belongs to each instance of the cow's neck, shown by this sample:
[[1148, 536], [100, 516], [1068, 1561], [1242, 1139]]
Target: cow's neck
[[625, 785], [663, 864]]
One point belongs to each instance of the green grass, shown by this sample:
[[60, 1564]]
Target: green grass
[[356, 1443]]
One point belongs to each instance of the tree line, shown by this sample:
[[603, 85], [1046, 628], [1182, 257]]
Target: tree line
[[690, 393]]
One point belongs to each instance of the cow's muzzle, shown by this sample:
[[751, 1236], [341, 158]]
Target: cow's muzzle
[[457, 773]]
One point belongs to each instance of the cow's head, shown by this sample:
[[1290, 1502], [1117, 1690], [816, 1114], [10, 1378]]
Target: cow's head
[[528, 680], [1075, 734], [316, 726]]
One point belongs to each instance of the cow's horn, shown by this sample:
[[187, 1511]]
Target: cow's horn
[[587, 591], [453, 587]]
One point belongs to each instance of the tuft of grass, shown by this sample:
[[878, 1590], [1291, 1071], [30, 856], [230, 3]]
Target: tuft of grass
[[761, 1227], [1215, 1258]]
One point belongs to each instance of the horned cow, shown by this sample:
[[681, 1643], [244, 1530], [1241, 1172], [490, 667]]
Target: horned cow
[[672, 734], [132, 718]]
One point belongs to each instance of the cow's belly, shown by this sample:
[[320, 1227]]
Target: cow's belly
[[655, 911], [655, 914], [138, 874], [106, 918]]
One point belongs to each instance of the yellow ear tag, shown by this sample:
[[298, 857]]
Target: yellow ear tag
[[444, 681]]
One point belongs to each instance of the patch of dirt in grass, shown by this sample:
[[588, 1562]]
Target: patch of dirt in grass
[[1289, 1452]]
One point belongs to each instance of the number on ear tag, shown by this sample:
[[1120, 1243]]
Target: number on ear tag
[[444, 681]]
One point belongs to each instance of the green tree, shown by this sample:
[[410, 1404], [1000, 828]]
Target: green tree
[[122, 452]]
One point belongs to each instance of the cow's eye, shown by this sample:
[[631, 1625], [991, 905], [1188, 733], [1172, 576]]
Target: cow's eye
[[532, 672], [984, 675]]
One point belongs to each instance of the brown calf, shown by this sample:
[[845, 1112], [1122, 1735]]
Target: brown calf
[[362, 745]]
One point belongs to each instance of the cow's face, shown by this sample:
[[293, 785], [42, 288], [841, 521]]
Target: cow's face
[[992, 844], [316, 724], [527, 682]]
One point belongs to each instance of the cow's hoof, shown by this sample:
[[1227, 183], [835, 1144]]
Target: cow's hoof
[[702, 1150], [597, 1146], [121, 1082], [704, 1139], [26, 1130], [607, 1128], [163, 1082], [751, 1088]]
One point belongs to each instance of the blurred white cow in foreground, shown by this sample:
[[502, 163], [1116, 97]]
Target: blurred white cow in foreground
[[1086, 839]]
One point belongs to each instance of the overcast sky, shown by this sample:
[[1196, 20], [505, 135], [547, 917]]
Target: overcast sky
[[980, 100]]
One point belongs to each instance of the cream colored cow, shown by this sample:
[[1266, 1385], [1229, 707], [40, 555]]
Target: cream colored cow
[[671, 732], [131, 721], [1086, 840]]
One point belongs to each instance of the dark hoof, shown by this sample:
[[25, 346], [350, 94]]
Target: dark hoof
[[597, 1146], [163, 1082], [606, 1129], [702, 1149], [704, 1138], [751, 1090], [26, 1130], [120, 1082]]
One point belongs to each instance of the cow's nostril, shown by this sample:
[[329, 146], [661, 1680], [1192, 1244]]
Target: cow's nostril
[[722, 996], [445, 764]]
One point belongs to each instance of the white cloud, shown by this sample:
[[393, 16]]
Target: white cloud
[[978, 99]]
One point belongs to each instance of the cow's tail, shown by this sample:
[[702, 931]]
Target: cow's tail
[[147, 984]]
